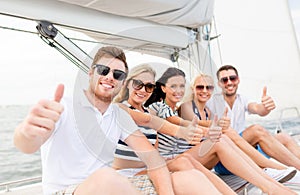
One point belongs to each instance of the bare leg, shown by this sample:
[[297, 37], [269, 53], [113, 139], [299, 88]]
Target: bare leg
[[192, 182], [256, 134], [234, 162], [187, 162], [289, 143], [256, 156], [102, 182]]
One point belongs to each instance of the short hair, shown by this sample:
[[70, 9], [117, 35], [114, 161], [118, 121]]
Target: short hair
[[111, 52], [226, 67]]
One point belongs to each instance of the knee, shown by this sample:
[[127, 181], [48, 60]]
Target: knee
[[187, 174], [183, 162], [259, 131], [283, 138]]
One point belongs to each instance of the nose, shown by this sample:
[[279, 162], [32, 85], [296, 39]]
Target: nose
[[143, 89], [229, 81], [110, 75]]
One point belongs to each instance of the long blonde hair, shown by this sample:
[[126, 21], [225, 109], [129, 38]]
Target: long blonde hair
[[135, 71], [190, 92]]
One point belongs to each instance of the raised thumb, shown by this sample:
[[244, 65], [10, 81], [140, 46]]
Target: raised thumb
[[59, 92]]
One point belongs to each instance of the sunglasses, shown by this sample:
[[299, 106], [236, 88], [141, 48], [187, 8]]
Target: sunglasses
[[104, 70], [138, 84], [232, 78], [201, 87]]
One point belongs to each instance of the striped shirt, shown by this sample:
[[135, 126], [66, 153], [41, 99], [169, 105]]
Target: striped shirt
[[168, 146], [123, 151]]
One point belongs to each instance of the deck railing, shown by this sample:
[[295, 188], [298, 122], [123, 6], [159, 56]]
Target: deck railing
[[8, 185]]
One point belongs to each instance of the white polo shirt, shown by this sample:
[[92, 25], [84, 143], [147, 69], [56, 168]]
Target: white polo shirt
[[83, 141], [237, 114]]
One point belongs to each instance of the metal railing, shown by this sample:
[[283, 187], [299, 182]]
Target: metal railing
[[279, 127], [8, 185]]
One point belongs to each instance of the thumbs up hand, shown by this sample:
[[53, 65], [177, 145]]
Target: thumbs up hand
[[215, 131], [42, 117], [224, 121], [267, 101], [193, 133]]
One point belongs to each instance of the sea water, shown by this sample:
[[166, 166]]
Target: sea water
[[15, 165]]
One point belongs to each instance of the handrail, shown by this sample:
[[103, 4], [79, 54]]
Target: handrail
[[20, 181], [279, 127]]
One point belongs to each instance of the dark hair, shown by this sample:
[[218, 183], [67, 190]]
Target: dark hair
[[111, 52], [226, 67], [158, 94]]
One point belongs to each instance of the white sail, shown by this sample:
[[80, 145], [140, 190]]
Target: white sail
[[258, 38]]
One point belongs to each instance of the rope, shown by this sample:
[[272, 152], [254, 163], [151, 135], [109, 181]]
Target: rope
[[218, 42], [18, 30]]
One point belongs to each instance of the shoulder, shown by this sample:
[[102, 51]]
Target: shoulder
[[242, 98], [186, 105], [217, 96]]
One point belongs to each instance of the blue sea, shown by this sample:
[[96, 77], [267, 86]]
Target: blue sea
[[15, 165]]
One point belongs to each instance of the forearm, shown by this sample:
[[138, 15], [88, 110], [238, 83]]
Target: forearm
[[162, 181], [178, 121], [158, 172]]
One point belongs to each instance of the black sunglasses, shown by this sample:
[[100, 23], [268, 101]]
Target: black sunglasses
[[208, 87], [138, 84], [104, 70], [232, 78]]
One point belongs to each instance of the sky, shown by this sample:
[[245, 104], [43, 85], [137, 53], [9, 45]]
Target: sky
[[31, 70]]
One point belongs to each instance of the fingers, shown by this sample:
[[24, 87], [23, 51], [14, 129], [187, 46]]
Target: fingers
[[267, 101], [215, 133], [264, 91], [59, 92], [194, 134], [224, 122], [195, 121], [225, 112], [33, 131], [215, 121], [195, 138]]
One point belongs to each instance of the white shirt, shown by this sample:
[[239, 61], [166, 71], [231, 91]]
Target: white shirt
[[237, 114], [83, 141]]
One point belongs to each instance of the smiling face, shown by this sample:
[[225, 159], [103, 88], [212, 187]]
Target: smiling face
[[229, 88], [106, 87], [203, 88], [138, 96], [174, 90]]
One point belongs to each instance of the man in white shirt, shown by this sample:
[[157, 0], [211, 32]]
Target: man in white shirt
[[78, 136], [281, 146]]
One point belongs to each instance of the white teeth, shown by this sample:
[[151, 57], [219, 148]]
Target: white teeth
[[139, 95], [231, 87], [107, 86]]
